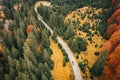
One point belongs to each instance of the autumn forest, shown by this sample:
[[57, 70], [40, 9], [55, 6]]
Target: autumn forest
[[59, 39]]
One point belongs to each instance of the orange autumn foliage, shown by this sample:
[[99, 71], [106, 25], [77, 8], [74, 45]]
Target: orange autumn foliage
[[38, 49], [114, 41], [27, 40], [112, 70], [29, 28], [105, 74], [117, 7], [117, 69], [6, 31], [115, 14], [118, 19], [2, 59], [3, 30], [117, 28], [1, 49], [111, 29]]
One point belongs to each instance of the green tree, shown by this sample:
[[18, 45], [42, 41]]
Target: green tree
[[46, 56], [7, 77], [44, 40], [98, 66], [43, 77], [69, 33], [29, 57], [80, 44], [33, 42], [15, 53], [22, 76]]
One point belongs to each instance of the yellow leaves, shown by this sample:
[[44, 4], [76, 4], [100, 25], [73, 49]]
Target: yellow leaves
[[2, 59], [1, 49], [2, 15]]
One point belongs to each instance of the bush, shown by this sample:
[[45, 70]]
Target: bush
[[67, 59], [59, 45], [78, 45], [90, 38], [82, 67], [97, 53], [64, 62], [64, 52], [96, 45], [77, 57], [81, 44]]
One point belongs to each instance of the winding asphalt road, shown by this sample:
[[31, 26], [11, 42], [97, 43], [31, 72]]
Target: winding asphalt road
[[65, 47]]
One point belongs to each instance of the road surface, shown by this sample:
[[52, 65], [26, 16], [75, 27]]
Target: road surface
[[65, 47]]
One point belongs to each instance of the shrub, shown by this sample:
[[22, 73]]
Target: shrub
[[97, 53], [64, 62], [59, 45], [82, 67], [96, 45]]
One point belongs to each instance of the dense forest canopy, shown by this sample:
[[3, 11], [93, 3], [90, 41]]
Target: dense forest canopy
[[25, 52]]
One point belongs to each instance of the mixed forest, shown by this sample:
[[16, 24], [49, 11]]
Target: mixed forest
[[91, 28]]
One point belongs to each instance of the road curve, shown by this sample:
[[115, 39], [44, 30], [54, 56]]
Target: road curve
[[65, 47]]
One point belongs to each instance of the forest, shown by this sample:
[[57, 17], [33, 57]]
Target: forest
[[25, 52]]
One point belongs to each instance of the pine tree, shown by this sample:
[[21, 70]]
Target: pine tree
[[44, 40], [43, 77], [7, 77], [46, 56], [46, 70], [22, 76], [33, 42], [15, 53], [69, 33]]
